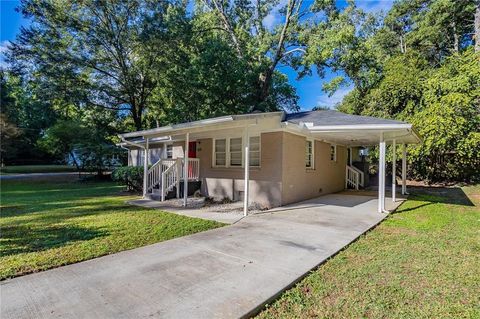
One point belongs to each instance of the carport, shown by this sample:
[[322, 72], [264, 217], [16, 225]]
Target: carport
[[355, 130]]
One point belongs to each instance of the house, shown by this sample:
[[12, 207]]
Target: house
[[268, 159]]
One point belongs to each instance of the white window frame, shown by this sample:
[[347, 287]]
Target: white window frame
[[259, 151], [312, 160], [214, 153], [166, 151], [334, 159], [242, 146], [228, 153]]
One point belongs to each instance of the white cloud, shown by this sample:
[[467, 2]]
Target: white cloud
[[4, 46], [270, 21], [375, 5], [337, 97], [274, 17], [3, 49]]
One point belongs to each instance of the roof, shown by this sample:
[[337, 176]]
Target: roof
[[328, 125], [331, 117], [211, 122]]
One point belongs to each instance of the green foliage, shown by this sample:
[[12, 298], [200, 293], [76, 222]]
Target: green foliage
[[25, 117], [427, 73], [131, 176], [448, 118], [87, 146]]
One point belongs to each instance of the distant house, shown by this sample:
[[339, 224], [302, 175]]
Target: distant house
[[270, 159]]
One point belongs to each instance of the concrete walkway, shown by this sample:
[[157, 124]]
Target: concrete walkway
[[223, 273]]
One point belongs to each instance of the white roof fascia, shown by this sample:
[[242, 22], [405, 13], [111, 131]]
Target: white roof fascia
[[373, 127], [171, 129], [194, 124]]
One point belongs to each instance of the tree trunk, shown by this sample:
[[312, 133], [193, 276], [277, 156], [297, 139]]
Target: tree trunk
[[136, 112], [477, 27], [456, 45]]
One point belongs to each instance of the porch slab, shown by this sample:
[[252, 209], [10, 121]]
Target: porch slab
[[228, 272]]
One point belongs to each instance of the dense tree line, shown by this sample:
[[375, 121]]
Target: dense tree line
[[421, 63], [100, 67]]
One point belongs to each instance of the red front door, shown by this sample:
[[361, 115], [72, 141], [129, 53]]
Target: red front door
[[192, 149]]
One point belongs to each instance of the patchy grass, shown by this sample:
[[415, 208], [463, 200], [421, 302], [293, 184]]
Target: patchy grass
[[24, 169], [46, 225], [422, 262]]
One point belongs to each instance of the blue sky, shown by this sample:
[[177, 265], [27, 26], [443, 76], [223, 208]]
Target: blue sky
[[309, 89]]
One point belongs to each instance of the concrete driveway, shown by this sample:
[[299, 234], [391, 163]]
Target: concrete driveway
[[223, 273]]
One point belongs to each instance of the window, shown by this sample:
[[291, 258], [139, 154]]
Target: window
[[236, 151], [333, 153], [309, 154], [169, 151], [140, 157], [254, 158], [228, 152], [220, 154]]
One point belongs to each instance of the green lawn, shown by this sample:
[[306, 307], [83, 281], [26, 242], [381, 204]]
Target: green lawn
[[421, 262], [24, 169], [46, 225]]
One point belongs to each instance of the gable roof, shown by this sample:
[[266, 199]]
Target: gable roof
[[331, 117]]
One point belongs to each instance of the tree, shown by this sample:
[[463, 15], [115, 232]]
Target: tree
[[299, 41], [88, 146], [22, 109], [108, 47], [476, 24], [8, 132], [448, 119], [62, 139]]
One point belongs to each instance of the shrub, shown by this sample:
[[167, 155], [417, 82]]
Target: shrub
[[131, 176]]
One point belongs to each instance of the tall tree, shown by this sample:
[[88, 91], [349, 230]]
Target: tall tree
[[476, 23], [108, 43], [286, 42]]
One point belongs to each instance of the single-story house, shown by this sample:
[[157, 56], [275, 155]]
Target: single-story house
[[268, 159]]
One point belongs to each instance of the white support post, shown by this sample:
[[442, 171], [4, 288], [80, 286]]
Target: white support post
[[178, 163], [185, 170], [247, 173], [145, 168], [394, 171], [404, 169], [381, 176]]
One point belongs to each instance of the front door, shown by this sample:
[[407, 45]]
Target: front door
[[192, 149]]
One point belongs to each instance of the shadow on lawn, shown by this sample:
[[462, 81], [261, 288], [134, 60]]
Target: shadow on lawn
[[433, 195], [17, 239]]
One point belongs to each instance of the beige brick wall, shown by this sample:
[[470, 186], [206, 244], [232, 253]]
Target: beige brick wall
[[281, 178], [265, 181], [300, 183]]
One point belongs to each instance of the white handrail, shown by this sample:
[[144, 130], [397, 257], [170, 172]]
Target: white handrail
[[154, 173], [169, 179], [352, 177], [193, 169], [360, 173]]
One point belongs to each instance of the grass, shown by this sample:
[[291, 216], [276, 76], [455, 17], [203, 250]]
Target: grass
[[24, 169], [421, 262], [46, 225]]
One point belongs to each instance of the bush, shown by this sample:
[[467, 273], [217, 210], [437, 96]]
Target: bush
[[131, 176]]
